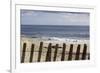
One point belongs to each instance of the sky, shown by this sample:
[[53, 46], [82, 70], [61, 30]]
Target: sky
[[37, 17]]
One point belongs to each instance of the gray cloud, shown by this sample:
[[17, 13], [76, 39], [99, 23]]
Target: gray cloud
[[34, 17]]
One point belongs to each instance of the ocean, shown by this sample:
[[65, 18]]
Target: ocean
[[60, 31]]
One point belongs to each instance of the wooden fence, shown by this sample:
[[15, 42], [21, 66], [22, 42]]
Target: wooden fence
[[52, 53]]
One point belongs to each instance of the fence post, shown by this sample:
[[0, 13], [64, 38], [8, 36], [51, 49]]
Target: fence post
[[32, 53], [63, 52], [70, 52], [84, 52], [40, 51], [77, 52], [55, 53], [23, 53], [48, 55]]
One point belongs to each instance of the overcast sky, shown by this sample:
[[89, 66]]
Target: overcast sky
[[33, 17]]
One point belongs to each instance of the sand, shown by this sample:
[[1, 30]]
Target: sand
[[36, 41]]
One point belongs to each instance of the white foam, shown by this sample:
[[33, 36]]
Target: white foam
[[57, 39]]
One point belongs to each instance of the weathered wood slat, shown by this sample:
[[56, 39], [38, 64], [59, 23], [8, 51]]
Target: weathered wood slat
[[55, 53], [32, 53], [23, 53], [84, 52], [77, 53], [70, 52], [48, 55], [40, 51], [63, 52]]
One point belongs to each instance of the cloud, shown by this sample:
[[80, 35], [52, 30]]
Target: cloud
[[53, 18]]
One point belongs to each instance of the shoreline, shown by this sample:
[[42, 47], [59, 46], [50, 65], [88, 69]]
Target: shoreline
[[60, 42], [57, 39]]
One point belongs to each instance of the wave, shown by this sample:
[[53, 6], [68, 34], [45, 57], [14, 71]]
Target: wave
[[58, 39]]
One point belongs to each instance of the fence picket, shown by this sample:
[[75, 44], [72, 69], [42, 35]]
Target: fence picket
[[55, 53], [77, 52], [23, 53], [32, 52], [84, 52], [48, 55], [70, 52], [63, 52], [40, 51]]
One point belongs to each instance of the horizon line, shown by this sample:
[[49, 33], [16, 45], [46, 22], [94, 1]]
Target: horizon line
[[55, 25]]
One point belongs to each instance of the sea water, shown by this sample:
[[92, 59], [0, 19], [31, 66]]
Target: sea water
[[56, 31]]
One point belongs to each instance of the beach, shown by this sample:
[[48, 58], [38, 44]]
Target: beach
[[53, 40], [48, 36]]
